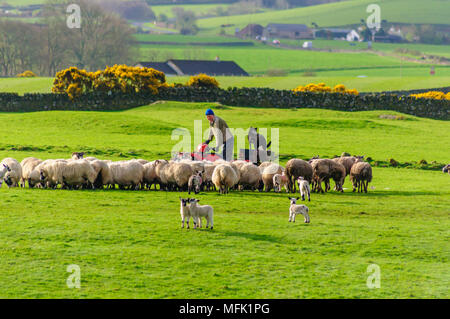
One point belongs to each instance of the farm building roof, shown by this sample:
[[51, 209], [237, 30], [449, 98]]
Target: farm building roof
[[160, 66], [193, 67]]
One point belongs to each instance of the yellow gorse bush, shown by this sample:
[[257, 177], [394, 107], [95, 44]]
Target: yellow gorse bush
[[118, 78], [27, 74], [437, 95], [202, 80], [323, 88]]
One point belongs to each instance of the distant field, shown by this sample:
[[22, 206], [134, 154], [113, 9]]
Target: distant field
[[181, 39], [440, 50], [199, 9], [340, 13], [368, 84], [258, 59]]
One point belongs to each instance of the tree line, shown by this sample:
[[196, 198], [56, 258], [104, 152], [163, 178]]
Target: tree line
[[102, 39]]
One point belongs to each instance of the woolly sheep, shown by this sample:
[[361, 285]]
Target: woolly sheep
[[161, 167], [127, 173], [104, 175], [361, 176], [150, 174], [348, 161], [303, 187], [295, 210], [28, 165], [325, 169], [268, 173], [224, 177], [10, 172], [199, 211], [446, 169], [250, 177], [263, 165], [78, 173], [295, 168], [207, 176], [181, 172]]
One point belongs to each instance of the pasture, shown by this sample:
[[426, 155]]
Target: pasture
[[129, 244]]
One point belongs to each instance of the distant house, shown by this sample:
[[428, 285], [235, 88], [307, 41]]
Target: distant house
[[334, 33], [251, 31], [353, 36], [290, 31], [389, 38], [193, 67]]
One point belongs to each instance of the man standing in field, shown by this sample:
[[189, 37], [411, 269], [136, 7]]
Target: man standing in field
[[219, 129]]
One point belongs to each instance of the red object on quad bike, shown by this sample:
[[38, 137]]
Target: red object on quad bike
[[202, 148]]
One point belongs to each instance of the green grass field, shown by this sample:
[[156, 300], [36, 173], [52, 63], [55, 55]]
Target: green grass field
[[129, 244]]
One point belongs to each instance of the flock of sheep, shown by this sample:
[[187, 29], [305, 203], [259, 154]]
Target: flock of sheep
[[78, 172], [186, 175]]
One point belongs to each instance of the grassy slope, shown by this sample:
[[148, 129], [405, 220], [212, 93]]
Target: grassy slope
[[129, 244], [341, 13], [146, 132]]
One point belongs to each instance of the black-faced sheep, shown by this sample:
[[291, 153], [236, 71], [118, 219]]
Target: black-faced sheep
[[361, 176], [294, 169], [10, 172], [195, 182], [446, 169]]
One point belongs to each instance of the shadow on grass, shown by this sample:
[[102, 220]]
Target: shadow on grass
[[257, 237]]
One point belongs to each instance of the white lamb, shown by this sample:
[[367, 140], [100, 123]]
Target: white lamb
[[303, 188], [184, 211], [199, 211], [295, 210]]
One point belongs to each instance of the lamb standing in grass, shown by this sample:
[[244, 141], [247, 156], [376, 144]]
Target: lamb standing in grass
[[184, 211], [303, 188], [199, 211], [295, 210]]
